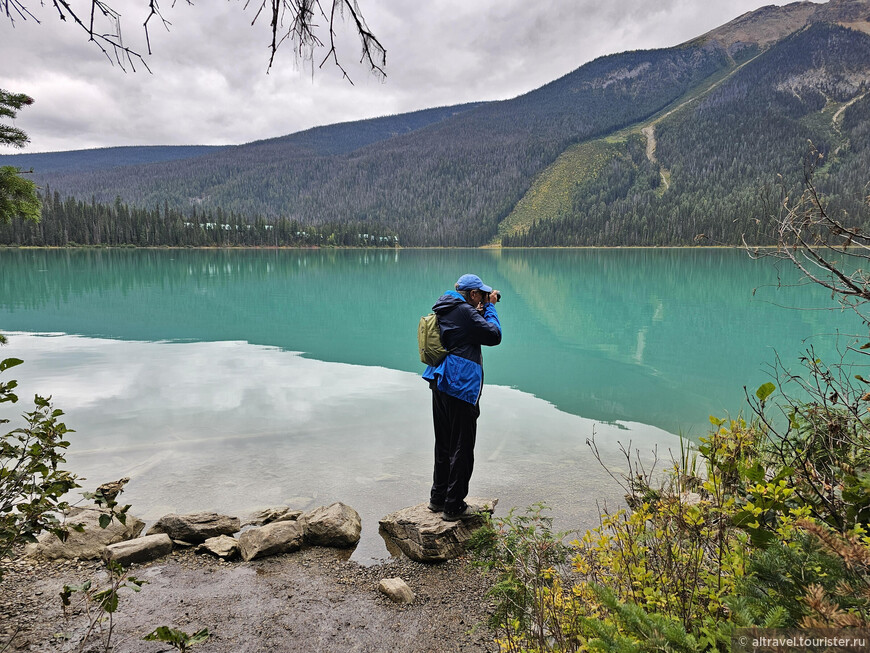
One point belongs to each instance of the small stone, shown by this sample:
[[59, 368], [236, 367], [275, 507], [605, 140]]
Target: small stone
[[141, 549], [690, 498], [335, 525], [223, 546], [181, 544], [397, 590]]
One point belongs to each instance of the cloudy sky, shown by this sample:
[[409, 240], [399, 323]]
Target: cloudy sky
[[209, 81]]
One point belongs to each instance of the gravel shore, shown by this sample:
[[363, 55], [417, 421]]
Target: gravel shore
[[311, 600]]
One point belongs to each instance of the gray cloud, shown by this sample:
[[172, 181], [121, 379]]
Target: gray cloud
[[209, 83]]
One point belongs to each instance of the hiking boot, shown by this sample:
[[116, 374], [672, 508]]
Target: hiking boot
[[436, 507], [466, 513]]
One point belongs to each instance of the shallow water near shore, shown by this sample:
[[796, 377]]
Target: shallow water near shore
[[233, 427]]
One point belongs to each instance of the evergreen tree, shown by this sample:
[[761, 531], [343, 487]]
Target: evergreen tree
[[17, 194]]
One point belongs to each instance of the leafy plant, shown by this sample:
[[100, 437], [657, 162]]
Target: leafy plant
[[32, 481], [787, 582], [719, 540], [530, 560], [177, 638], [631, 628], [106, 500], [101, 603]]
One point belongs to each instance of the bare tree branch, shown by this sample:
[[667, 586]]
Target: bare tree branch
[[155, 11], [371, 47], [828, 252], [16, 6], [103, 27], [105, 41]]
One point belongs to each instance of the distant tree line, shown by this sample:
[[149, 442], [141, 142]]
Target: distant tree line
[[70, 222]]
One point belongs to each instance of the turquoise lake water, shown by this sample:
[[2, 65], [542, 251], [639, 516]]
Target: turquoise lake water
[[231, 380]]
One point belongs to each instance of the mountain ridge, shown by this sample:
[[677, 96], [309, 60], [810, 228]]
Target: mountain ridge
[[318, 140], [766, 25]]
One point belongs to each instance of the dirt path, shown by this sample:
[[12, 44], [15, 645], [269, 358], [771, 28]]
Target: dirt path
[[649, 131], [836, 120], [312, 600]]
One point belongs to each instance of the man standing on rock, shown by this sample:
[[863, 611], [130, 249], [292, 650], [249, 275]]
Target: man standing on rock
[[466, 319]]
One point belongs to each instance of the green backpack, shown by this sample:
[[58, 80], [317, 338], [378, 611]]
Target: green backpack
[[432, 352]]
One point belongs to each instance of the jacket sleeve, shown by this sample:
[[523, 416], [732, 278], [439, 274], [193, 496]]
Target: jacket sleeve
[[486, 327]]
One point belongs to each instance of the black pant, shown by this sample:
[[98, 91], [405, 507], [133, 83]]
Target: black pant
[[455, 433]]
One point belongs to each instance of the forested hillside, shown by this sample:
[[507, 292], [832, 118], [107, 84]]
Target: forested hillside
[[717, 159], [666, 147]]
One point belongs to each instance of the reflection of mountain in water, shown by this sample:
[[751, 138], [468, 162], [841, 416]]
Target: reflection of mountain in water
[[673, 334], [663, 337]]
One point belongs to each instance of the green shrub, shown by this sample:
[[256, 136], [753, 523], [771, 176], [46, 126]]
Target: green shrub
[[32, 482], [738, 532]]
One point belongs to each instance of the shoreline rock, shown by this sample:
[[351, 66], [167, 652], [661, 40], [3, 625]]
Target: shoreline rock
[[222, 546], [90, 543], [271, 539], [196, 527], [336, 525], [414, 532], [273, 514], [425, 536], [138, 550]]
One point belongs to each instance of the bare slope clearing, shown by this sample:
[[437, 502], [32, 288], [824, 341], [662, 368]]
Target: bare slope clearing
[[549, 197]]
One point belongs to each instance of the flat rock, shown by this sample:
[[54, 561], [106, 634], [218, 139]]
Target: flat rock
[[140, 549], [181, 544], [87, 545], [271, 539], [269, 515], [196, 528], [222, 546], [396, 590], [335, 525], [424, 536]]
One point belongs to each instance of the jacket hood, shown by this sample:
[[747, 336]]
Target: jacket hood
[[447, 302]]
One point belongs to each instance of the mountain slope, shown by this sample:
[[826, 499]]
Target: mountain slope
[[317, 141], [447, 183], [103, 158], [715, 159]]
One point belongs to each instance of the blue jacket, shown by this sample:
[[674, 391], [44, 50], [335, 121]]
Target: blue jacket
[[463, 331]]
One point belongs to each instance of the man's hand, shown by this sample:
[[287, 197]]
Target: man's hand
[[493, 296]]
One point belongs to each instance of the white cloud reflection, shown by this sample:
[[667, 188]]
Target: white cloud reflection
[[231, 427]]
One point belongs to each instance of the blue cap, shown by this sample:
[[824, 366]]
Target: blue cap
[[471, 282]]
